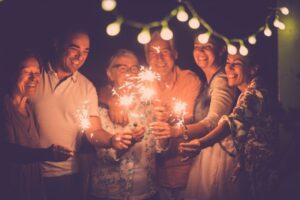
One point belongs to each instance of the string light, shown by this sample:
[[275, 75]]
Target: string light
[[284, 10], [194, 23], [114, 28], [182, 16], [204, 37], [144, 36], [243, 49], [231, 49], [267, 31], [252, 39], [108, 5], [278, 24]]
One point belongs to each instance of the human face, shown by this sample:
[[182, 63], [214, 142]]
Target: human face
[[236, 70], [29, 77], [122, 68], [160, 56], [75, 52], [204, 54]]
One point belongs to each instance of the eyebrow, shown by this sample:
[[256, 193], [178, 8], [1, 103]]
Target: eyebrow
[[78, 47]]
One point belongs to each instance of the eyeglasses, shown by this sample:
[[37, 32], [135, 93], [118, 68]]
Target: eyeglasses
[[126, 69]]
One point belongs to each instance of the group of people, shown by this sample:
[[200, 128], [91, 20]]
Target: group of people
[[223, 147]]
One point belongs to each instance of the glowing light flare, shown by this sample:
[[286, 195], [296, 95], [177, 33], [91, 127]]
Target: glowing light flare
[[146, 74], [278, 24], [284, 10], [166, 33], [83, 116], [182, 16], [232, 50], [144, 36], [108, 5], [204, 37], [114, 28], [243, 50], [126, 100], [179, 108], [194, 23], [252, 39], [146, 93], [267, 31]]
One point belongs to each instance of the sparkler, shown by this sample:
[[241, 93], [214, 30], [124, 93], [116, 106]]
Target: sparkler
[[179, 111], [83, 116]]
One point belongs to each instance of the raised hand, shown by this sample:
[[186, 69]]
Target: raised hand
[[121, 141], [161, 112], [161, 130], [189, 149], [116, 112], [138, 133]]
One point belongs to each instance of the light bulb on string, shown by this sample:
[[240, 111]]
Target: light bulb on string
[[182, 16], [284, 10], [243, 49], [114, 28], [232, 50], [252, 39], [108, 5], [144, 36], [267, 31], [166, 32], [204, 37], [278, 24], [194, 23]]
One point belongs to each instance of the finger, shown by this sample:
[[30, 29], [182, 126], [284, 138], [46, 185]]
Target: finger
[[189, 145], [185, 158]]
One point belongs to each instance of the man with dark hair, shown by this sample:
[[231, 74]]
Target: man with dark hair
[[66, 105]]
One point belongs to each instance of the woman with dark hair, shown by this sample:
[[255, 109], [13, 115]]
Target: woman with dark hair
[[249, 129], [20, 172]]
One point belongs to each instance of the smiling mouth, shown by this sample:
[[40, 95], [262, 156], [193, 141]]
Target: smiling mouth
[[231, 76]]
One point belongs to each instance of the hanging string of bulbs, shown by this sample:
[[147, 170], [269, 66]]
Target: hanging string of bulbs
[[194, 22]]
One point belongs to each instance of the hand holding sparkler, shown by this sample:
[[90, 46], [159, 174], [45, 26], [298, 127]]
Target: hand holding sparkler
[[161, 130], [137, 133], [190, 149], [161, 112], [121, 141], [117, 112]]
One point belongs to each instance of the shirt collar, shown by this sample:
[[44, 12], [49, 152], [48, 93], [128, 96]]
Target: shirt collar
[[52, 72]]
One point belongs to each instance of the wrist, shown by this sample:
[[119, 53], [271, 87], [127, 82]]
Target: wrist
[[185, 133]]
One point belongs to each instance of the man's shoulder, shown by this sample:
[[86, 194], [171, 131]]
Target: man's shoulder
[[187, 76], [82, 79], [186, 73]]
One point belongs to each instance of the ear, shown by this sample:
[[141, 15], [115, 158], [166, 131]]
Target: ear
[[109, 74]]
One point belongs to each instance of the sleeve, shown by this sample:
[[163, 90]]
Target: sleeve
[[245, 113], [221, 102], [93, 100]]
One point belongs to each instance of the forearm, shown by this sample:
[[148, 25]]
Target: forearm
[[192, 131], [100, 138], [217, 134]]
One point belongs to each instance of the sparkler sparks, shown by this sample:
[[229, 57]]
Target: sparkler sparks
[[83, 116]]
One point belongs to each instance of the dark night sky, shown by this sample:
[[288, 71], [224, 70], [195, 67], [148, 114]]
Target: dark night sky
[[26, 23]]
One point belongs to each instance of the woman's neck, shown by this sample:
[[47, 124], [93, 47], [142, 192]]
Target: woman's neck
[[210, 71]]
